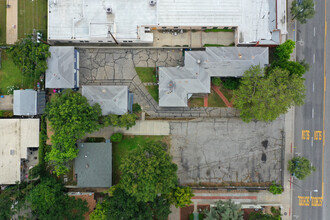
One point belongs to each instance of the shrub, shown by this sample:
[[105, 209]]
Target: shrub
[[216, 81], [6, 114], [275, 188], [231, 83], [95, 139], [117, 137], [136, 108]]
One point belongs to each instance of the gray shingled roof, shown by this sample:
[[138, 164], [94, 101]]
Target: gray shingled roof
[[93, 165], [177, 84], [61, 70], [29, 102], [112, 99]]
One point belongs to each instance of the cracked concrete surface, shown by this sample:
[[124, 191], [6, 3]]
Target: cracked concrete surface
[[106, 66], [227, 150]]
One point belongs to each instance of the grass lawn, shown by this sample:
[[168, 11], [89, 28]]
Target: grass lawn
[[196, 102], [146, 73], [215, 100], [219, 30], [32, 15], [153, 91], [121, 149], [226, 92], [10, 75], [3, 21]]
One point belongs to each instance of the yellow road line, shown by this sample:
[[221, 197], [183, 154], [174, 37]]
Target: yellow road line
[[324, 89]]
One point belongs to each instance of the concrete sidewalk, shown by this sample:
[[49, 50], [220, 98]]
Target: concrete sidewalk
[[149, 127], [11, 22]]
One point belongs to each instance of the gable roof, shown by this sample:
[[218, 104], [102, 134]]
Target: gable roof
[[61, 68], [112, 99], [177, 84], [16, 135], [93, 165], [29, 102]]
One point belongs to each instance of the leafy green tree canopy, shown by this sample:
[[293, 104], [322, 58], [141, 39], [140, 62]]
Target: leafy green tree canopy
[[71, 117], [225, 210], [275, 188], [49, 201], [121, 206], [300, 167], [265, 98], [181, 196], [283, 51], [148, 171], [30, 56], [303, 11]]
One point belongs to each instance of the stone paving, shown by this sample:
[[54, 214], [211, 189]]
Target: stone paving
[[227, 150], [108, 66]]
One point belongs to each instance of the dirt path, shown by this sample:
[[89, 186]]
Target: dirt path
[[11, 31]]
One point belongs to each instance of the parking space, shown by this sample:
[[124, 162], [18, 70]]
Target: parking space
[[227, 150]]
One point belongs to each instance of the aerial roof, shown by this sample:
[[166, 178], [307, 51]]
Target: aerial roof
[[177, 84], [93, 165], [61, 71], [29, 102], [112, 99], [16, 135], [87, 20]]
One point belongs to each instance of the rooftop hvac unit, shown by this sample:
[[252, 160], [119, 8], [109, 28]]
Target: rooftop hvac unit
[[152, 2], [109, 10]]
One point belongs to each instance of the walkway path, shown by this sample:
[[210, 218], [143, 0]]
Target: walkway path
[[148, 127], [224, 99], [11, 29]]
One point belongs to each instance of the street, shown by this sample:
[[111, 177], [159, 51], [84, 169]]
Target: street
[[310, 196]]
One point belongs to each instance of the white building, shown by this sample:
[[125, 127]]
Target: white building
[[107, 21], [16, 137]]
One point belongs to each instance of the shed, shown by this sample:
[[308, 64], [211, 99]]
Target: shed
[[93, 166]]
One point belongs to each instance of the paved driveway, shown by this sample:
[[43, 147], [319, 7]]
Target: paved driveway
[[227, 150]]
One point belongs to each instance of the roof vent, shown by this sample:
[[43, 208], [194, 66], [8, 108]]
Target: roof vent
[[152, 2], [109, 10], [198, 61], [12, 152]]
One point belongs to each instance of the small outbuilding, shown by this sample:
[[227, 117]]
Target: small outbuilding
[[29, 102], [112, 99], [93, 166], [63, 68]]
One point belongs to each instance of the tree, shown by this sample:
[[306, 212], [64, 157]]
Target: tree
[[12, 199], [300, 167], [30, 56], [275, 188], [302, 11], [160, 208], [181, 196], [231, 83], [148, 171], [265, 98], [122, 206], [226, 210], [123, 121], [284, 51], [71, 117], [49, 201], [282, 59]]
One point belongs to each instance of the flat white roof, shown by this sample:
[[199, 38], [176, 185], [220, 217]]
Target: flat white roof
[[16, 135], [88, 19]]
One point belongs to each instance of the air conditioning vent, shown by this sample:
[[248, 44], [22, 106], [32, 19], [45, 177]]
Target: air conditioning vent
[[109, 10]]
